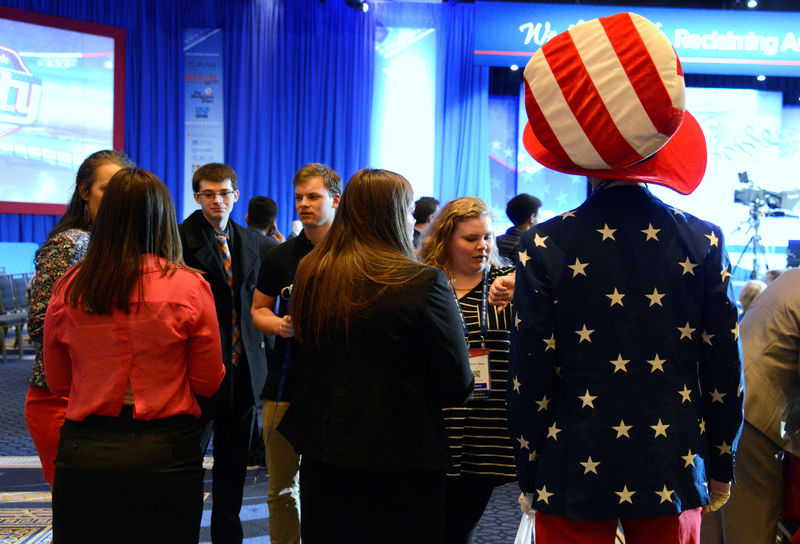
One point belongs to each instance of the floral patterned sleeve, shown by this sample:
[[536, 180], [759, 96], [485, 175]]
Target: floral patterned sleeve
[[54, 258]]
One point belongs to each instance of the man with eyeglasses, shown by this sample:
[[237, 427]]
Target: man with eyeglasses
[[228, 254]]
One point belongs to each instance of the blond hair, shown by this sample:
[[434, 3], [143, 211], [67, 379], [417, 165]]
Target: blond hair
[[435, 246], [749, 292]]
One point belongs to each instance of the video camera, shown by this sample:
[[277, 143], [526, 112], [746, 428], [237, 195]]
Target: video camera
[[757, 197]]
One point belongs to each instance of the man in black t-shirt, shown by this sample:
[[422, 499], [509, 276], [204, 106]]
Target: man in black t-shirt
[[317, 189]]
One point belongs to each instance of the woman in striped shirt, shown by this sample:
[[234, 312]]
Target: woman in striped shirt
[[460, 241]]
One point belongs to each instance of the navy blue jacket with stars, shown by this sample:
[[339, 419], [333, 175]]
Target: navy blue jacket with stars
[[625, 379]]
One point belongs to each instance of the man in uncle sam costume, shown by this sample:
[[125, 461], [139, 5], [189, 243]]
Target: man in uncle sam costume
[[625, 383]]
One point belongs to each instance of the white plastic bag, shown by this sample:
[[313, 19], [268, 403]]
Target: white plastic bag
[[525, 531]]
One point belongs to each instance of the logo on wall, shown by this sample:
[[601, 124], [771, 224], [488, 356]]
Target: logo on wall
[[206, 96], [20, 93]]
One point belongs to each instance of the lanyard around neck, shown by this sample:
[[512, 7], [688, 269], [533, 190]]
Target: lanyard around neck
[[483, 312]]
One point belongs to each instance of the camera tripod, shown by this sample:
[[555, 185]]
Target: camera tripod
[[754, 243]]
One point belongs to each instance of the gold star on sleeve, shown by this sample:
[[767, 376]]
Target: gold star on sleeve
[[544, 495], [712, 239], [552, 431], [578, 268], [716, 396], [607, 232], [543, 403], [587, 400], [655, 297], [523, 257], [686, 331], [589, 465], [616, 297], [625, 495], [724, 448], [619, 363], [622, 429], [660, 429], [665, 494], [540, 240], [656, 364], [585, 334], [688, 267], [651, 233]]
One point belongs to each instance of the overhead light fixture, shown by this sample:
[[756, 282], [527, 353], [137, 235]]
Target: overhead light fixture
[[514, 67], [761, 77], [358, 5], [752, 4]]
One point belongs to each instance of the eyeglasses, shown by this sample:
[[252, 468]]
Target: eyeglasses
[[211, 195]]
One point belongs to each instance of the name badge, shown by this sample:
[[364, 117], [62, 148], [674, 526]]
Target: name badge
[[479, 364]]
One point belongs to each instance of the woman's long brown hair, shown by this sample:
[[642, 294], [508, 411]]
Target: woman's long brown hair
[[136, 218], [368, 241]]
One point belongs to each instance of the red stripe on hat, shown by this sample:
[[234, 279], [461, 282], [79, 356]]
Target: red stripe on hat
[[642, 72], [540, 126], [586, 104]]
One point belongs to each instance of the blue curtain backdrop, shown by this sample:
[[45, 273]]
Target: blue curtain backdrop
[[298, 88], [461, 156], [319, 71]]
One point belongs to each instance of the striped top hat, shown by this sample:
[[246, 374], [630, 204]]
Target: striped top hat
[[606, 99]]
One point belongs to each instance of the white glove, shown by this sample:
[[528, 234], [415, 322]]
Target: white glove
[[718, 493], [526, 504]]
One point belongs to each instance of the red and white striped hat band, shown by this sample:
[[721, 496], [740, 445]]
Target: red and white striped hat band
[[608, 94]]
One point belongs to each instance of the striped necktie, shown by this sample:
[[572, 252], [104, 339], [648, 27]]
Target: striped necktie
[[236, 335]]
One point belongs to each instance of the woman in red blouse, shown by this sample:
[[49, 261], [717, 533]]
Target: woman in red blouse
[[131, 337]]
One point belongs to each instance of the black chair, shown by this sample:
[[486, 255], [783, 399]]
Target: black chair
[[10, 315], [20, 282]]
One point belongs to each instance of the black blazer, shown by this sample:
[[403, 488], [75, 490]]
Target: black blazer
[[374, 402], [201, 251]]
